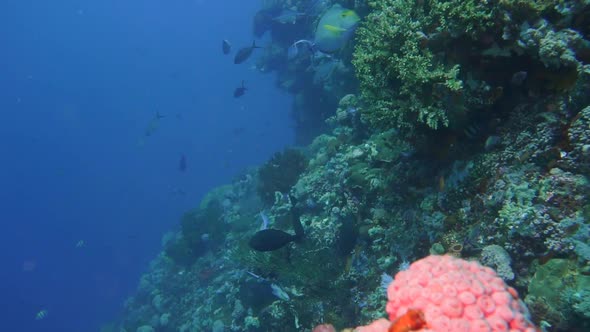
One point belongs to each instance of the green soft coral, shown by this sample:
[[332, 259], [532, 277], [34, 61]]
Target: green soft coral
[[403, 82], [459, 17]]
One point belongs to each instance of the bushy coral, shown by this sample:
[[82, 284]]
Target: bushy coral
[[403, 82]]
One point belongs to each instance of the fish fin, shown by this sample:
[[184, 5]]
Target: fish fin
[[333, 28], [297, 226], [348, 13]]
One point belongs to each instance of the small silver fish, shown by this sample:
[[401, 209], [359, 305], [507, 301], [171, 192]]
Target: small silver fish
[[288, 16], [279, 292], [41, 314]]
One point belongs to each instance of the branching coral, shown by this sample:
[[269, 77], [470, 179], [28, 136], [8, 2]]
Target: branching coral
[[404, 82]]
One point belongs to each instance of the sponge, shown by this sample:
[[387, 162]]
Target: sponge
[[445, 293]]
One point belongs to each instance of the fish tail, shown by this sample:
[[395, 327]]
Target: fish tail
[[297, 226]]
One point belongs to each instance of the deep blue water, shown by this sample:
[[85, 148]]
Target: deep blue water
[[80, 82]]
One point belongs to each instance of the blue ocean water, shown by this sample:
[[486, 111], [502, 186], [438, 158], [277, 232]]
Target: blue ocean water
[[85, 194]]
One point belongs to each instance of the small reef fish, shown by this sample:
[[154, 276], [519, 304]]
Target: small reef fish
[[472, 131], [41, 315], [80, 244], [239, 91], [316, 7], [182, 163], [244, 53], [153, 125], [287, 16], [225, 46], [279, 292], [272, 239], [412, 320], [294, 50], [335, 28]]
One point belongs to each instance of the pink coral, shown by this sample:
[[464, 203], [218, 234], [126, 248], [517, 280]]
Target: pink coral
[[324, 328], [453, 295]]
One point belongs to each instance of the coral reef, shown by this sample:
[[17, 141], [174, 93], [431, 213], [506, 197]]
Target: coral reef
[[437, 64], [503, 179]]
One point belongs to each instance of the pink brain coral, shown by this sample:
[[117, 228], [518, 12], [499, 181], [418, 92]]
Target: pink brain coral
[[453, 295]]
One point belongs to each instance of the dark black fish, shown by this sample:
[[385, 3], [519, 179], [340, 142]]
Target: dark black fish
[[244, 53], [270, 239], [273, 239], [238, 92], [182, 163], [225, 46]]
